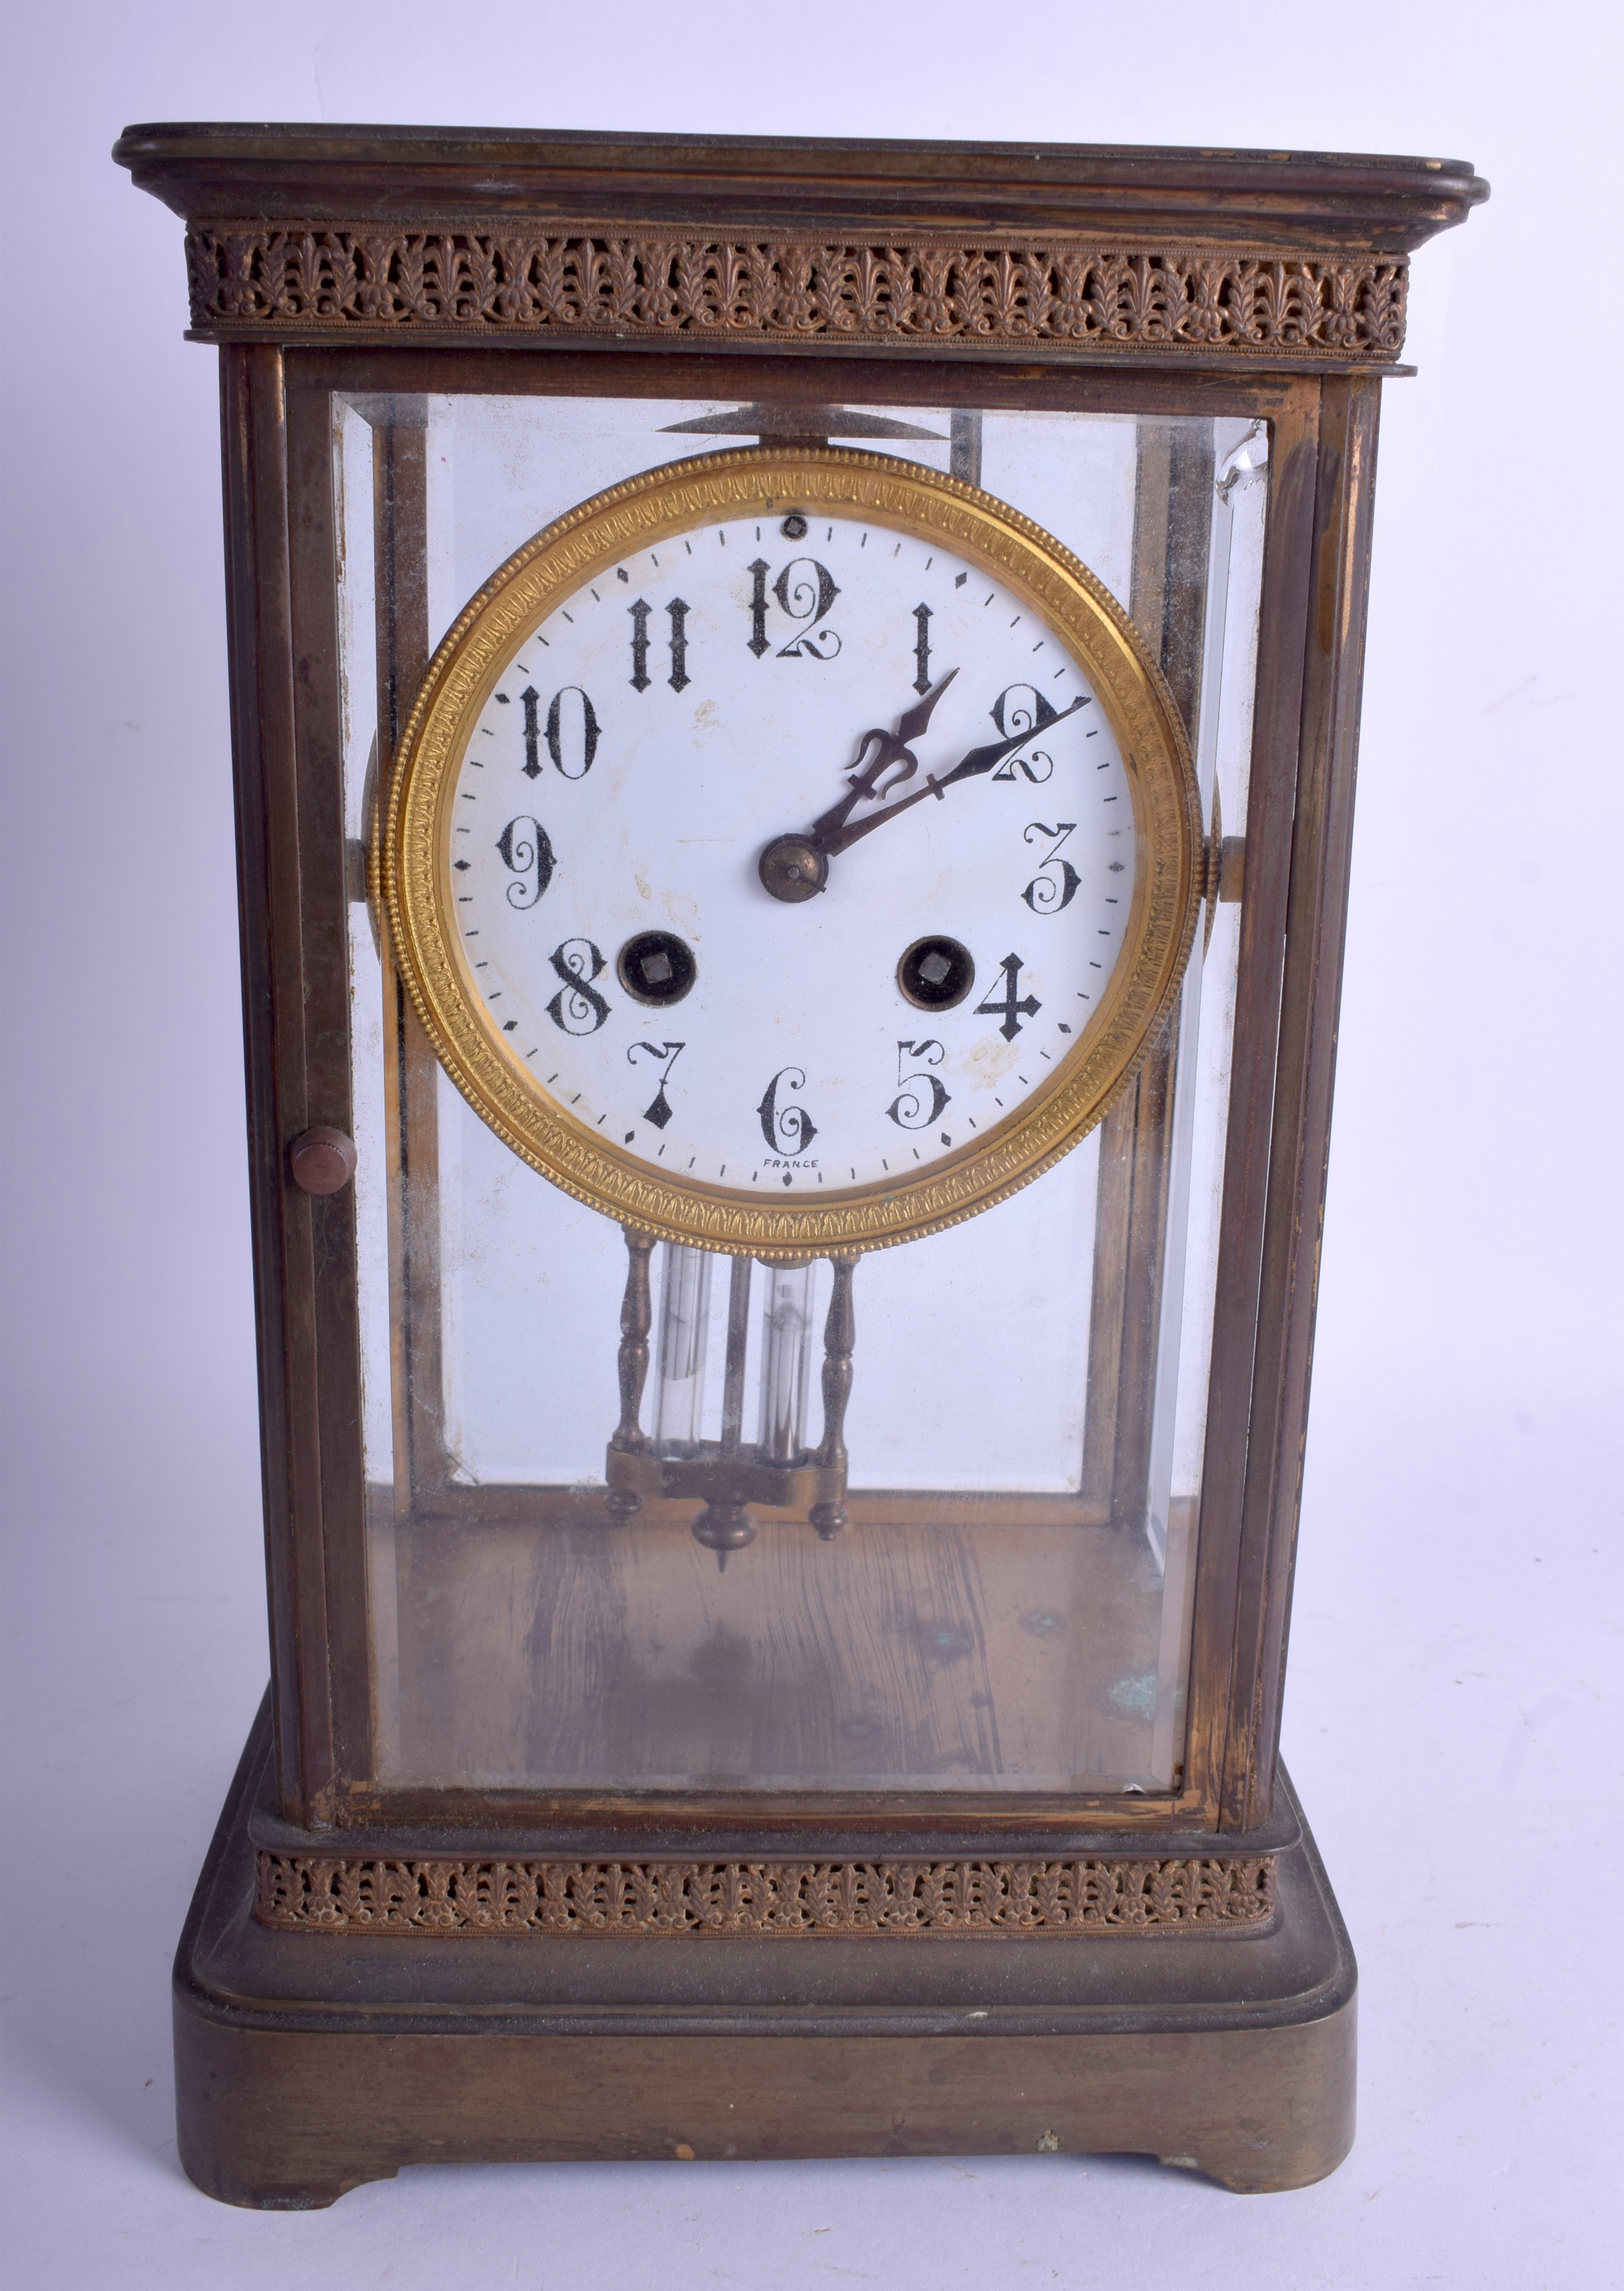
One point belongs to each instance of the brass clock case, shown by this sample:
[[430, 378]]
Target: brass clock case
[[411, 859]]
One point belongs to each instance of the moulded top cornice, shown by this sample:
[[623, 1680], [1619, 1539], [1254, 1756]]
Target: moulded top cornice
[[453, 176]]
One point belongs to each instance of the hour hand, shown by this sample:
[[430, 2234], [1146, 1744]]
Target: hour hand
[[890, 748], [918, 718], [970, 767]]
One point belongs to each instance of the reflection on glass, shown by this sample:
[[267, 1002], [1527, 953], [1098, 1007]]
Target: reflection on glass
[[1008, 1609], [786, 1356], [685, 1317]]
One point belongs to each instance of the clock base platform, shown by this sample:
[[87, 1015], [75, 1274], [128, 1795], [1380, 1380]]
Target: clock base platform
[[309, 2063]]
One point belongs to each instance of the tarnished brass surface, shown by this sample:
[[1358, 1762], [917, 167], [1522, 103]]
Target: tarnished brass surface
[[711, 1476], [311, 2057]]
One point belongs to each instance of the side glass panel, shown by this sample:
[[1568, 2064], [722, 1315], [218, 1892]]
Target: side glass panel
[[1008, 1608]]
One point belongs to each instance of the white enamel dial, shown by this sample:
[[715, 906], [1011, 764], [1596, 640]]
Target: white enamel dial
[[671, 718]]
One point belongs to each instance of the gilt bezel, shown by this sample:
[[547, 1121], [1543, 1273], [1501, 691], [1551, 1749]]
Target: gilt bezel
[[410, 856]]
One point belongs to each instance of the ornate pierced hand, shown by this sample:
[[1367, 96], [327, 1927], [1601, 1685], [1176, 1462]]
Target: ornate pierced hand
[[797, 866]]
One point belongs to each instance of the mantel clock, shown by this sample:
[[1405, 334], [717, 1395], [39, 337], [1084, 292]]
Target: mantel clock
[[794, 709]]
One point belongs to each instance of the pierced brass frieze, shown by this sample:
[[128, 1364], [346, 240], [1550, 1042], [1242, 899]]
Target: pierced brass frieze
[[589, 282], [461, 1899]]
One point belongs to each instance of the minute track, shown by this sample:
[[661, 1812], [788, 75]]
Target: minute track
[[659, 832]]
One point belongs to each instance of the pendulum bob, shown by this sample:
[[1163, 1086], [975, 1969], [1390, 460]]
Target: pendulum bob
[[729, 1477]]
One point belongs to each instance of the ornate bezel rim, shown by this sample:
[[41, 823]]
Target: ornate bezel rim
[[408, 862]]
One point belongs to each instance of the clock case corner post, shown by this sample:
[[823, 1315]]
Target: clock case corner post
[[296, 1036], [1308, 919]]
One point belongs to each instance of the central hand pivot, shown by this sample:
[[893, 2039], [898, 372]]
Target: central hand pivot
[[796, 866], [793, 868]]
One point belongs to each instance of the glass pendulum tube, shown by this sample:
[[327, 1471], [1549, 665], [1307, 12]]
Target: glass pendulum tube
[[725, 1523], [786, 1358], [685, 1312], [740, 1269]]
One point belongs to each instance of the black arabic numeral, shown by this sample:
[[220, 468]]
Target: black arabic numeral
[[1055, 884], [758, 607], [526, 849], [639, 678], [908, 1109], [1008, 1007], [787, 1129], [921, 649], [532, 699], [577, 1007], [572, 732], [1022, 708], [805, 591], [679, 675], [665, 1056]]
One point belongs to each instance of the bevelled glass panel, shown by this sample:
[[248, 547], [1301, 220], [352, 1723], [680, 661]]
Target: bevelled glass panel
[[1007, 1608]]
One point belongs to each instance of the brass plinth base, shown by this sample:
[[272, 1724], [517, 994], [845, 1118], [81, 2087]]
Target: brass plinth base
[[307, 2063]]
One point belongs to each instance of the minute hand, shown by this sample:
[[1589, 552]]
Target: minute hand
[[971, 766]]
